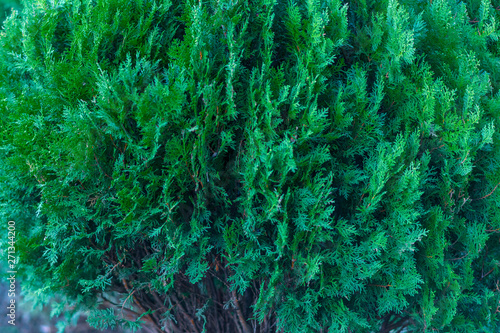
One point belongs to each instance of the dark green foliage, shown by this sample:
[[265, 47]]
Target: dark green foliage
[[256, 166]]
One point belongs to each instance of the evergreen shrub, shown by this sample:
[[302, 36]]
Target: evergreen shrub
[[255, 165]]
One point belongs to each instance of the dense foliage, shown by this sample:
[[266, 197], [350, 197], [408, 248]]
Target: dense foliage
[[256, 165]]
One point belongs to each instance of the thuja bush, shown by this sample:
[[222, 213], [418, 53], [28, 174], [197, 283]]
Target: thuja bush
[[255, 166]]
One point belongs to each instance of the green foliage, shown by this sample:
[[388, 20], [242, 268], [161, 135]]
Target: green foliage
[[239, 166], [7, 6]]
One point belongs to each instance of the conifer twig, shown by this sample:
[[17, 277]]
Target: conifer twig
[[487, 194]]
